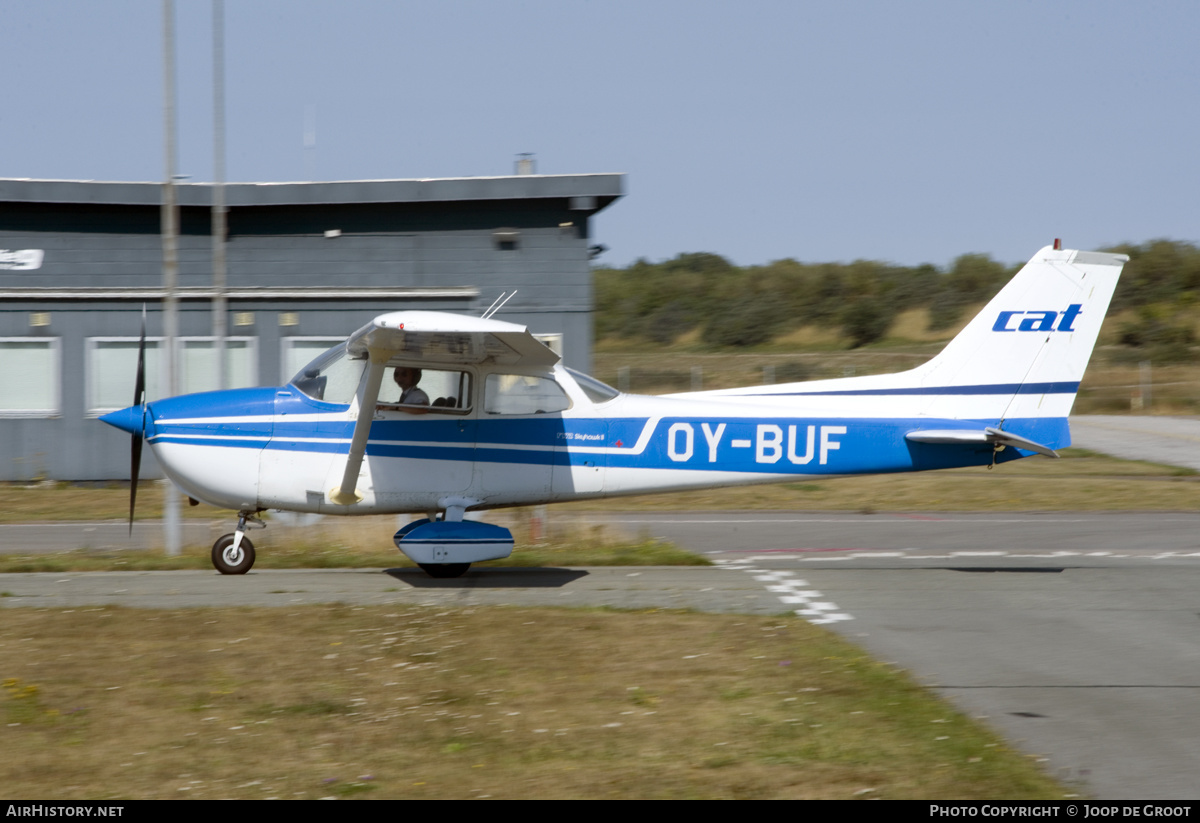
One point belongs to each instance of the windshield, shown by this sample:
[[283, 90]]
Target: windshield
[[332, 377], [596, 391]]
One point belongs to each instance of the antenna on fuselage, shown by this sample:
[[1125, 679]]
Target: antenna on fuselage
[[492, 309]]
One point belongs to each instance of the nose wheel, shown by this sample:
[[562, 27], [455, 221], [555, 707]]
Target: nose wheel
[[234, 553], [231, 557]]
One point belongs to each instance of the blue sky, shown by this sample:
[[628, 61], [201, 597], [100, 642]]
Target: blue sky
[[909, 132]]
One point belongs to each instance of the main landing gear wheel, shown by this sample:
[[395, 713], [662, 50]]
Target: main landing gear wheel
[[228, 561], [440, 570]]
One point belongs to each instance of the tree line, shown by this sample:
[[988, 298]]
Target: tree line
[[738, 307]]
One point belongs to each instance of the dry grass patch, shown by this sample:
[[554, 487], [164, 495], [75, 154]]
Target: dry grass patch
[[386, 702], [64, 502], [1081, 481], [366, 543]]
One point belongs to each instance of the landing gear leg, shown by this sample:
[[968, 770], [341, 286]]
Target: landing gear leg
[[996, 449], [234, 553], [453, 514]]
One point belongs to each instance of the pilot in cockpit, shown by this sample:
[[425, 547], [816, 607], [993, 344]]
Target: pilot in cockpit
[[407, 379]]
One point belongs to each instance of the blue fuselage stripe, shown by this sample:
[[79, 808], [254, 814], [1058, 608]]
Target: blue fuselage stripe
[[769, 445], [1065, 387]]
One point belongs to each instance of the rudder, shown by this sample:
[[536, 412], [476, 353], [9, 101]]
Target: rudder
[[1029, 347]]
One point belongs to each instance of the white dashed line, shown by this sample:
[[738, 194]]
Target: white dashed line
[[910, 554], [792, 591]]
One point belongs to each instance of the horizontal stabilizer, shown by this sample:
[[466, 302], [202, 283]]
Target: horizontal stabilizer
[[990, 435]]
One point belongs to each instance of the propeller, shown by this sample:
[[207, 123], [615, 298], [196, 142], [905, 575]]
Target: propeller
[[139, 399]]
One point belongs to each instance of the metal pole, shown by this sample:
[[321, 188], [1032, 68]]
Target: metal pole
[[220, 327], [170, 234]]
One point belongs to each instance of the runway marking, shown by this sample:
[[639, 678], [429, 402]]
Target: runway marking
[[883, 519], [844, 554], [792, 591]]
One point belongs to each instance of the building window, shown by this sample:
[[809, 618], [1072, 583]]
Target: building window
[[198, 363], [507, 239], [31, 369], [112, 372], [112, 368]]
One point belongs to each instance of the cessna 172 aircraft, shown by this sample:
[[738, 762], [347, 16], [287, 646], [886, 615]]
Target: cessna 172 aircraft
[[496, 420]]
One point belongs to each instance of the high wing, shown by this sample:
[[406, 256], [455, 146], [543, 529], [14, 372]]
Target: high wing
[[431, 337], [434, 337]]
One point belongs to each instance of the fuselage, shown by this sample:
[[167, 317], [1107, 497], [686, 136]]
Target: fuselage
[[279, 448]]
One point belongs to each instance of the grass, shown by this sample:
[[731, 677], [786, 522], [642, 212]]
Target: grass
[[409, 702], [1080, 481], [365, 542], [67, 502]]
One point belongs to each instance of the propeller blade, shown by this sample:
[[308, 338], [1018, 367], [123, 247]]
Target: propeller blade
[[139, 387], [135, 446], [135, 464]]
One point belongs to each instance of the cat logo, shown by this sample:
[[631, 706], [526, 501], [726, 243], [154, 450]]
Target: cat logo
[[1039, 320]]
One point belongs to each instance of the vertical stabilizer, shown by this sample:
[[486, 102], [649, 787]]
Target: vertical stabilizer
[[1028, 349]]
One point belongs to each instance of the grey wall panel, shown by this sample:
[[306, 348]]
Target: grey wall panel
[[425, 234]]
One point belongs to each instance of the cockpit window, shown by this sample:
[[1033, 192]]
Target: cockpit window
[[332, 377], [523, 394], [405, 388], [596, 391]]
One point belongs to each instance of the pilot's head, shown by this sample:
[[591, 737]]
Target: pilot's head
[[406, 377]]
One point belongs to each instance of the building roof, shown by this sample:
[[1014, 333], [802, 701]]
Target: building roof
[[595, 191]]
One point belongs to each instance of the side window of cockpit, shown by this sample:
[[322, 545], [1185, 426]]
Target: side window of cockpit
[[523, 394], [411, 387]]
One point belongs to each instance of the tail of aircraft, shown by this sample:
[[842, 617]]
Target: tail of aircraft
[[1028, 348], [1016, 366]]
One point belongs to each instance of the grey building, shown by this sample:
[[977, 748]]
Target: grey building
[[307, 264]]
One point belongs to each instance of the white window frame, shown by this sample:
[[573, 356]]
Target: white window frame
[[55, 346]]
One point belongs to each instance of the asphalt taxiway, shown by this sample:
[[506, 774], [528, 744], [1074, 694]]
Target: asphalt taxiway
[[1074, 635]]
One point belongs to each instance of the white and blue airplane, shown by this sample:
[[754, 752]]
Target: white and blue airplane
[[445, 414]]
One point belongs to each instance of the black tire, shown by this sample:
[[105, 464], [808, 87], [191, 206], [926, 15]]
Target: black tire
[[226, 565], [444, 570]]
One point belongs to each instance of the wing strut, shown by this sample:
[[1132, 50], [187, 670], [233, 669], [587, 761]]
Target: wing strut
[[347, 494]]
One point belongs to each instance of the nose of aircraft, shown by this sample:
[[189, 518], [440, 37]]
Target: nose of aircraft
[[127, 420]]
